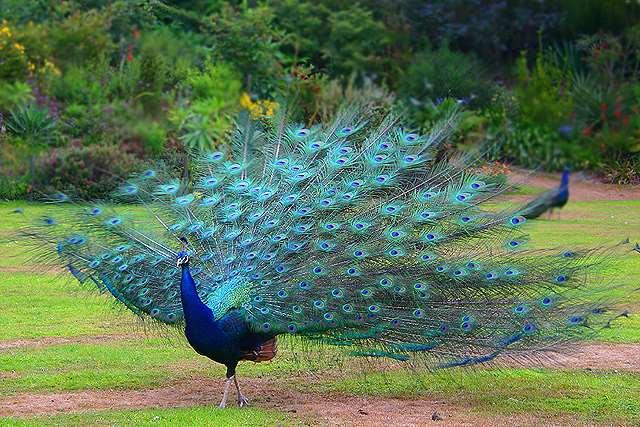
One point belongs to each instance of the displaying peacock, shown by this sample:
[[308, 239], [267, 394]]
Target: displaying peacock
[[555, 198], [350, 234]]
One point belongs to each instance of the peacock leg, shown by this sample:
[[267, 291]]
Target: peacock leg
[[225, 394], [242, 400]]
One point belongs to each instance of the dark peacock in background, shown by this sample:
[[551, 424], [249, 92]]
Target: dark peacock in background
[[555, 198], [348, 234]]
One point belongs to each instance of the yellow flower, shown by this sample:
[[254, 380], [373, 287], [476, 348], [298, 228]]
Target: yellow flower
[[5, 30], [19, 47], [245, 101], [50, 66], [259, 108]]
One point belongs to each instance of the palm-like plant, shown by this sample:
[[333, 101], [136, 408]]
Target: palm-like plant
[[198, 133], [31, 124]]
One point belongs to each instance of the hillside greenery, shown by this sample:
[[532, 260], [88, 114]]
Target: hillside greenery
[[90, 89]]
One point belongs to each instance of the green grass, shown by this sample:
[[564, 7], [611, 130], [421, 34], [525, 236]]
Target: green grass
[[43, 305], [590, 396], [194, 416], [133, 363]]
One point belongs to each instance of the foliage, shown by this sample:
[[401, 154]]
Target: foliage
[[81, 37], [210, 99], [623, 171], [436, 74], [593, 16], [31, 124], [535, 147], [147, 75], [13, 188], [541, 93], [356, 41], [507, 26], [12, 95], [245, 37], [87, 172], [14, 64]]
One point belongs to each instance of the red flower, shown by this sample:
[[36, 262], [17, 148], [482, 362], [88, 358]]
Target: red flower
[[586, 131], [617, 114], [625, 120], [130, 53], [604, 107]]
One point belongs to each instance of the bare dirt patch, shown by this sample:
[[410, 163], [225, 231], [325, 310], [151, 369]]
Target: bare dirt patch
[[596, 356], [48, 341], [33, 269], [327, 408], [582, 187]]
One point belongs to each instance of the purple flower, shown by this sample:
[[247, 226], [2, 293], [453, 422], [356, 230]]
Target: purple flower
[[566, 130]]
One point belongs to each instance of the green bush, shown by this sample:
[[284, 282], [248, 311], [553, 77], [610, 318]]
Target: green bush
[[81, 38], [83, 171], [12, 188], [152, 136], [80, 84], [356, 42], [12, 95], [31, 124], [541, 93], [541, 147], [211, 99], [442, 73], [243, 36]]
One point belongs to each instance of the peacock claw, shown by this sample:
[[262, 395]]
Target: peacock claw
[[243, 401]]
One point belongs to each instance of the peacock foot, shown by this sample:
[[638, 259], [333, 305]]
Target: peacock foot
[[225, 394], [243, 401]]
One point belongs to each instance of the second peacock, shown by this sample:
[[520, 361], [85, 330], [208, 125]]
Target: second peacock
[[347, 233]]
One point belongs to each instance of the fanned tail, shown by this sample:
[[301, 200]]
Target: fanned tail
[[348, 233]]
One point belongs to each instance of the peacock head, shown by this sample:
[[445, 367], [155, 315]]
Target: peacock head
[[182, 259], [183, 255]]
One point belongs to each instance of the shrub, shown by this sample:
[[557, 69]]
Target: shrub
[[31, 124], [12, 188], [81, 38], [243, 36], [152, 136], [14, 64], [541, 93], [356, 42], [85, 172], [623, 171], [12, 95], [534, 147], [210, 100], [80, 84], [491, 28], [443, 73]]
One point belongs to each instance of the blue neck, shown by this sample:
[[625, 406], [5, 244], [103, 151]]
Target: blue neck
[[565, 178], [195, 311]]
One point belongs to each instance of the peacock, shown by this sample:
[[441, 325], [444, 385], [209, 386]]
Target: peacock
[[555, 198], [354, 234]]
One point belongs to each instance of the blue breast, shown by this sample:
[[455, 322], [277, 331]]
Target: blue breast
[[223, 341]]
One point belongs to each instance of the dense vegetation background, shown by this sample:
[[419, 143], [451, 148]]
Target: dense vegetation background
[[91, 88]]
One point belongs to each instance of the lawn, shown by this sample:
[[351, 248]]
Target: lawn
[[57, 337]]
